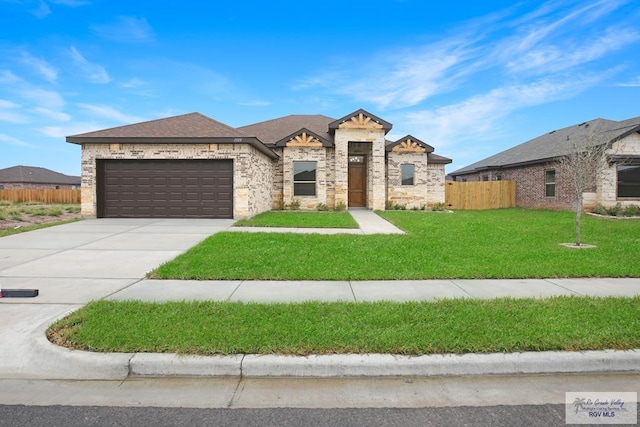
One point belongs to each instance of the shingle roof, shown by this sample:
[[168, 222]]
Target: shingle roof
[[186, 128], [36, 175], [192, 125], [556, 143], [272, 131]]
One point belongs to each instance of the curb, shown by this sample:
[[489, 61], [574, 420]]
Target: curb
[[383, 365], [74, 364]]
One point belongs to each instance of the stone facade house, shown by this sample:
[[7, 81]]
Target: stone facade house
[[31, 178], [541, 183], [194, 166]]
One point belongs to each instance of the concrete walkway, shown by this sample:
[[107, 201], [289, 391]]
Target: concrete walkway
[[368, 222], [75, 263]]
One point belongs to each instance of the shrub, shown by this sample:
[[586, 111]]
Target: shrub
[[322, 207], [423, 207], [632, 210], [616, 210], [600, 210], [294, 205], [389, 205], [340, 206], [439, 207], [281, 205], [415, 208]]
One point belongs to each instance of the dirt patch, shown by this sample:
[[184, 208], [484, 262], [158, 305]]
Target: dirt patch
[[27, 219]]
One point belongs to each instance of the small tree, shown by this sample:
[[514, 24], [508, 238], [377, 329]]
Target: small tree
[[581, 167]]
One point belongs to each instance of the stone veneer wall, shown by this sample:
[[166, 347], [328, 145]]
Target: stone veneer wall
[[376, 197], [411, 196], [305, 154], [435, 183], [252, 171]]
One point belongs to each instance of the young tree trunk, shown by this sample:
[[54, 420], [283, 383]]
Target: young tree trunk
[[578, 214]]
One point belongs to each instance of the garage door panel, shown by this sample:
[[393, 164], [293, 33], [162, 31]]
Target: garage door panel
[[166, 188]]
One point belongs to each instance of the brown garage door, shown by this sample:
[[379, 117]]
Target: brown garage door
[[165, 188]]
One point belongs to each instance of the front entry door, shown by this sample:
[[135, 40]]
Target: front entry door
[[357, 182]]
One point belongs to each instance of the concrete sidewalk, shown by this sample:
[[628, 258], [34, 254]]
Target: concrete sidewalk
[[381, 290], [75, 263]]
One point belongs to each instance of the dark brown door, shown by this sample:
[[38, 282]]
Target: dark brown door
[[165, 189], [357, 185]]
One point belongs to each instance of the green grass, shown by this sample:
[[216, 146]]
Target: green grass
[[300, 220], [447, 326], [509, 243]]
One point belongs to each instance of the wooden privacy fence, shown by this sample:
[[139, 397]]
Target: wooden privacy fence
[[480, 195], [43, 196]]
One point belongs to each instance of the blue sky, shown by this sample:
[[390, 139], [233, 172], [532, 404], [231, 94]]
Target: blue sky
[[470, 78]]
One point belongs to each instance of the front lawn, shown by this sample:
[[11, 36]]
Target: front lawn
[[506, 243], [300, 220], [415, 328]]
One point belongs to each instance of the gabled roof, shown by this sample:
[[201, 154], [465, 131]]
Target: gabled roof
[[36, 175], [355, 116], [272, 131], [410, 140], [185, 129], [556, 143], [304, 132]]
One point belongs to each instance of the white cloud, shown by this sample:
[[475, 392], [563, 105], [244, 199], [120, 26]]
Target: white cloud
[[39, 66], [12, 141], [479, 117], [74, 128], [42, 97], [8, 104], [106, 112], [126, 29], [7, 77], [7, 113], [633, 82], [93, 72], [52, 114], [255, 103]]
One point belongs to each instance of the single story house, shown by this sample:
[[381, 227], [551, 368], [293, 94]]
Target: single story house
[[194, 166], [540, 182], [31, 177]]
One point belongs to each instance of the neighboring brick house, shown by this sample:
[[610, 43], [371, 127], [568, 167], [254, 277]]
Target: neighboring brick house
[[194, 166], [539, 179], [30, 177]]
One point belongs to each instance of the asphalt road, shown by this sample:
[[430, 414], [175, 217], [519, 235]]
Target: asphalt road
[[70, 416]]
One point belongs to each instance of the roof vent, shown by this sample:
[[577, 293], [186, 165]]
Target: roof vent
[[553, 131], [582, 124]]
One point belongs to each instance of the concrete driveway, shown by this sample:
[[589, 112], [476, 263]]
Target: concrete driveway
[[75, 263]]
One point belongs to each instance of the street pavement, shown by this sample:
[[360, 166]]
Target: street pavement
[[75, 263]]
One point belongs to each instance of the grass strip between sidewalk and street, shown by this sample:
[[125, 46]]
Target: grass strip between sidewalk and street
[[495, 244], [300, 220], [410, 328]]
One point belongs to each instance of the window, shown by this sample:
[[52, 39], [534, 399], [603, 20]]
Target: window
[[629, 181], [408, 172], [304, 178], [485, 177], [550, 183], [498, 177]]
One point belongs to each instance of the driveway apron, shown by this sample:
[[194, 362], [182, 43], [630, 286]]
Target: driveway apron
[[75, 263]]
